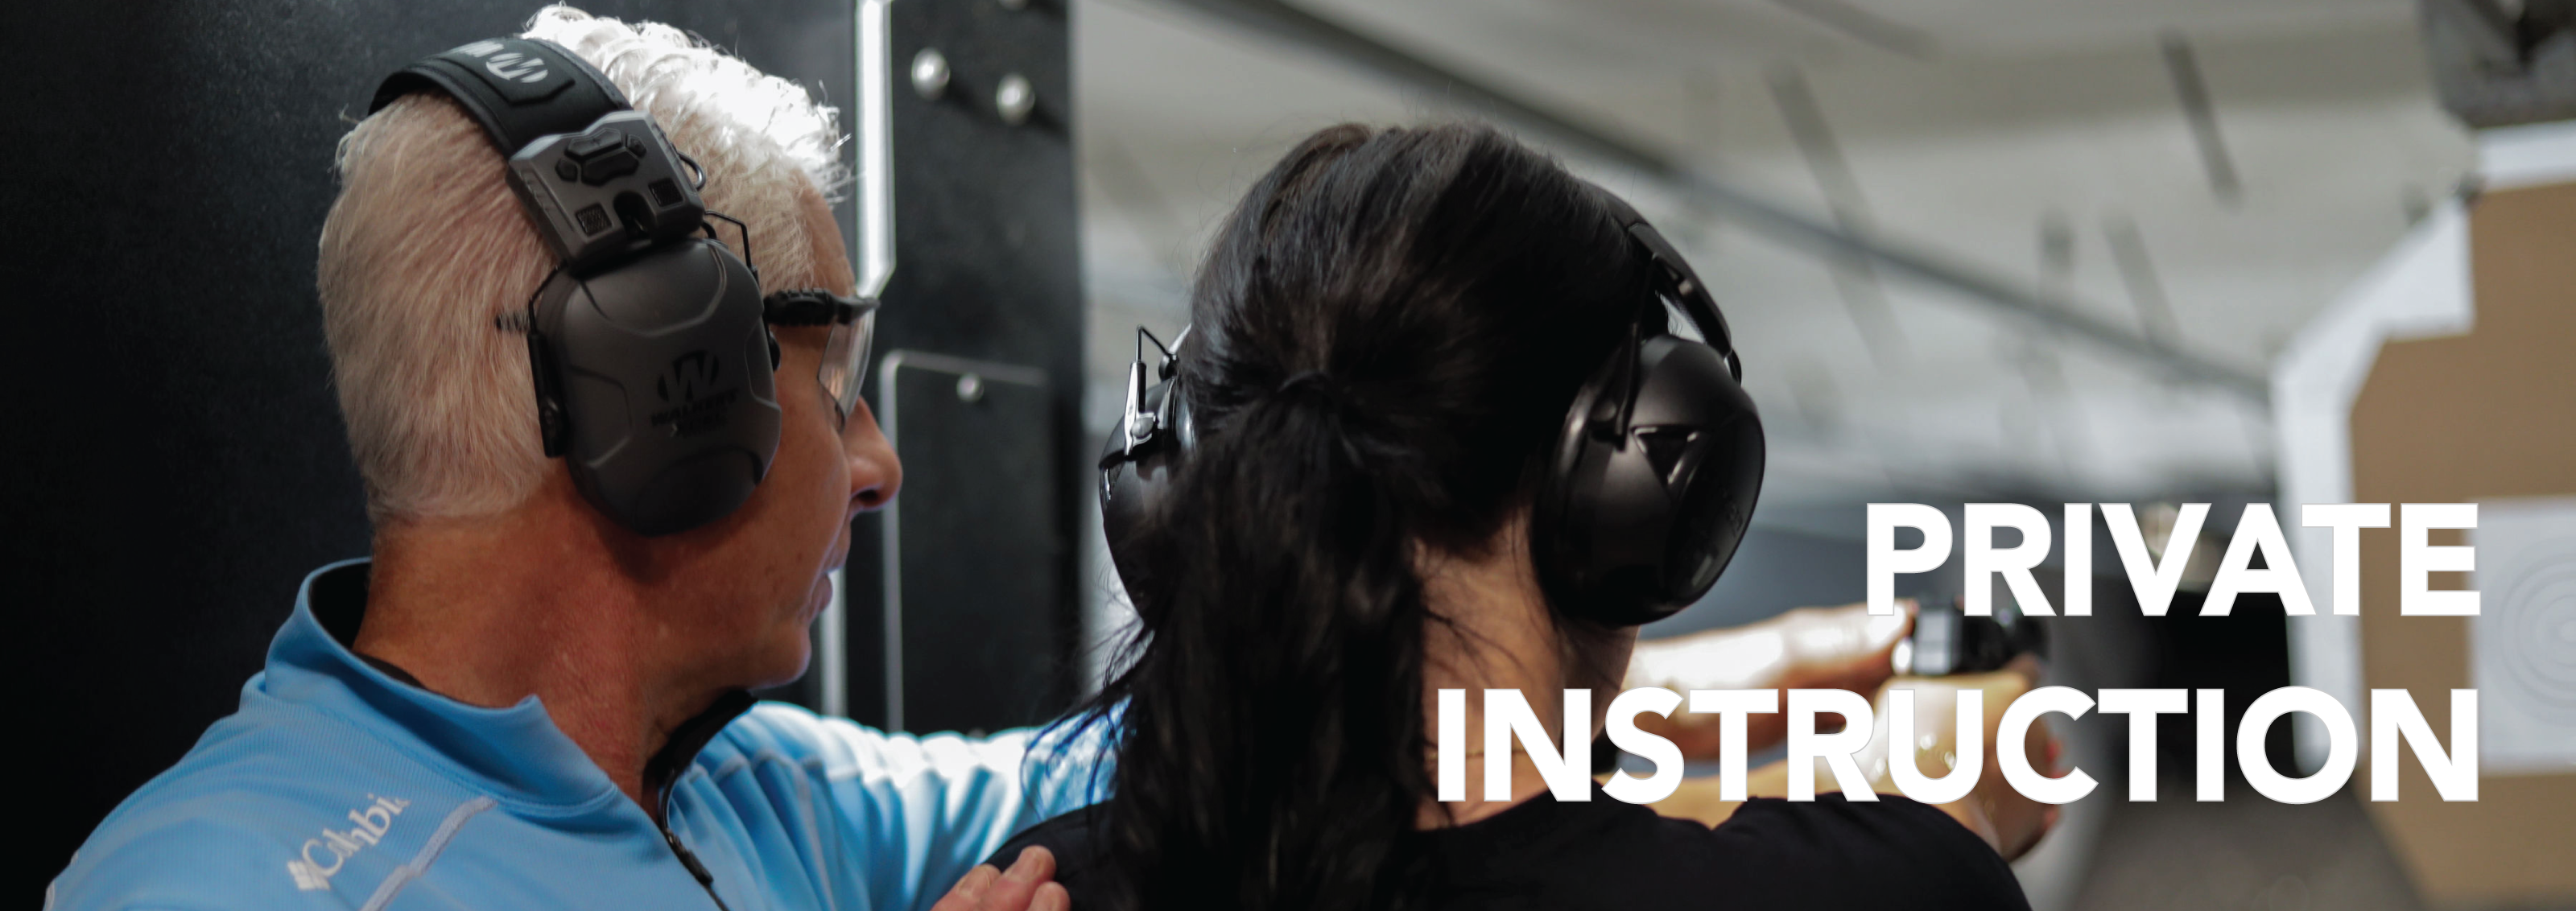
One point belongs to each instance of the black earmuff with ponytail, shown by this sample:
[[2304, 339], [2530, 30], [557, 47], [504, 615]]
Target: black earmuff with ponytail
[[1645, 495]]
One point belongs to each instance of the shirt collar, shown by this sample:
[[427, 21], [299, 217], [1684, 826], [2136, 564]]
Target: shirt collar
[[515, 751]]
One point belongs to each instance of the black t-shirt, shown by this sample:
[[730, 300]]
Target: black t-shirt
[[1890, 855]]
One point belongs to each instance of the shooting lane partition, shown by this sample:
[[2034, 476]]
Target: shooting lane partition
[[982, 331], [177, 461], [2486, 417]]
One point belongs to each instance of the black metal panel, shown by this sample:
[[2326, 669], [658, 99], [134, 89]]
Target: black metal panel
[[175, 460], [987, 267], [976, 566]]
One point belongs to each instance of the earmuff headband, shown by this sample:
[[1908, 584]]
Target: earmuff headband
[[519, 89], [1678, 281]]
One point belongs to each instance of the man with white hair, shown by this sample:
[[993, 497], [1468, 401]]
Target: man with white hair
[[520, 702]]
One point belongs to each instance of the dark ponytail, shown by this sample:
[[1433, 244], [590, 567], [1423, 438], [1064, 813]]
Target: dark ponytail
[[1384, 337]]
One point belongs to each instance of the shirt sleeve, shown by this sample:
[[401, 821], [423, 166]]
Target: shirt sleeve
[[915, 813]]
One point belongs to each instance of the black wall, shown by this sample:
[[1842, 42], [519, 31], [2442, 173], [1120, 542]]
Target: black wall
[[174, 462]]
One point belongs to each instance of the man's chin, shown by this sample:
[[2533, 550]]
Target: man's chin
[[790, 650], [815, 601], [786, 663]]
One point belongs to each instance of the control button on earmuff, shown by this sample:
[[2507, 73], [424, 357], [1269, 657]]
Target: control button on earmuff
[[593, 219], [610, 166], [594, 143], [605, 154]]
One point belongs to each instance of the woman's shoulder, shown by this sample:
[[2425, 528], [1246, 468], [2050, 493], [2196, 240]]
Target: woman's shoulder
[[1891, 854], [1829, 853]]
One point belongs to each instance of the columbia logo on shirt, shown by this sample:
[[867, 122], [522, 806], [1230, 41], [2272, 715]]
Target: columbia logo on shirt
[[322, 857]]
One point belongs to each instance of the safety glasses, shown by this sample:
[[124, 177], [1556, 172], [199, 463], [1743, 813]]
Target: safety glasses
[[845, 355]]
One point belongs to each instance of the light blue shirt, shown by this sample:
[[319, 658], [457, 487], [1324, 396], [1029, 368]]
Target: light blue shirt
[[336, 786]]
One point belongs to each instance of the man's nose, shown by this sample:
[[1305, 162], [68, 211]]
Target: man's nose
[[875, 472]]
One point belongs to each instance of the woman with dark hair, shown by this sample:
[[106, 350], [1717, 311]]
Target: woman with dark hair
[[1385, 341]]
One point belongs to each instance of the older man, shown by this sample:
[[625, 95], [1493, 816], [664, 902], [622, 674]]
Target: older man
[[522, 701], [519, 702]]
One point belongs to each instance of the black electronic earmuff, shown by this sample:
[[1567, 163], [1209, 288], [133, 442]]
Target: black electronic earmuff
[[1656, 470], [1647, 491], [654, 370], [1154, 436]]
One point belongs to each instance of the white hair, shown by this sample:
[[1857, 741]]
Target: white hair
[[426, 251]]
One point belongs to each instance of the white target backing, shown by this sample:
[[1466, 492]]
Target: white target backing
[[2523, 644]]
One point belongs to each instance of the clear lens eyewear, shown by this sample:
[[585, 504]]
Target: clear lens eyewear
[[845, 355]]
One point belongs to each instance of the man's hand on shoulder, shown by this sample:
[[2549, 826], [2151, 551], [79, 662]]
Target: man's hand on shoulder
[[1029, 886]]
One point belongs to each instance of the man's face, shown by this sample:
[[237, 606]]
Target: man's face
[[750, 585]]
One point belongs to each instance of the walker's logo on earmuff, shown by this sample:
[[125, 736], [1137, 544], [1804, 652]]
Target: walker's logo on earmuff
[[509, 66], [689, 372], [689, 387]]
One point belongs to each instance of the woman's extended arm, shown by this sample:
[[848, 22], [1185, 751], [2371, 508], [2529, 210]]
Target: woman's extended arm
[[1841, 648], [2005, 819]]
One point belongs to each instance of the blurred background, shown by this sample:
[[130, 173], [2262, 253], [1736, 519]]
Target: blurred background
[[2159, 252], [2205, 175]]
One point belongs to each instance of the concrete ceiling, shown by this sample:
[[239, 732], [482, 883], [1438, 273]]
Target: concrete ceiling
[[2047, 140]]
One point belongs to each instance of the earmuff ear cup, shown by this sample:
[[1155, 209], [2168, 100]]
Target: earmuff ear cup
[[1711, 455], [1636, 517], [1132, 484], [667, 393]]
